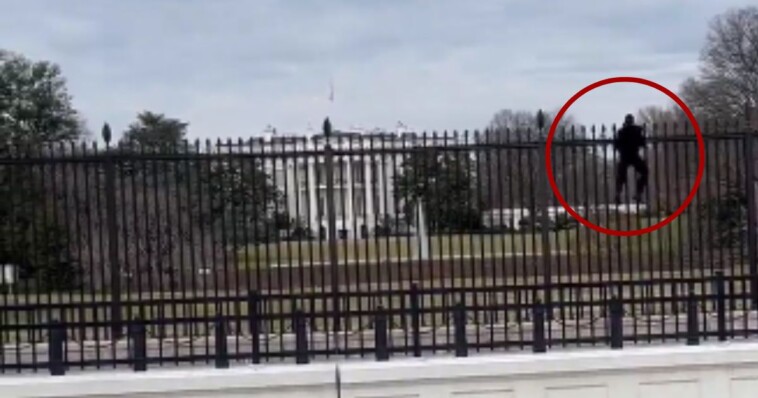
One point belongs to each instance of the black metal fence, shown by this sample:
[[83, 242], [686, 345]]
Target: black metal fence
[[293, 249]]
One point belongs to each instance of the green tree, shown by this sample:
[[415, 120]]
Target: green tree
[[244, 200], [728, 215], [35, 114], [444, 183], [154, 132], [35, 106]]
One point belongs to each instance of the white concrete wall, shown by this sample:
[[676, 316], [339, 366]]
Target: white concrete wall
[[728, 370], [666, 372], [315, 380]]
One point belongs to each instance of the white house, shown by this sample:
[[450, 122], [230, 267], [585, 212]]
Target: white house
[[365, 164]]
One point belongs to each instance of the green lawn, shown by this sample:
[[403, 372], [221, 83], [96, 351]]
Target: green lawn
[[579, 239], [672, 239], [398, 248]]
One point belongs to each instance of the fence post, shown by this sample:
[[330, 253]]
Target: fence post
[[380, 335], [415, 320], [752, 217], [301, 339], [544, 201], [222, 357], [538, 328], [720, 305], [331, 215], [253, 301], [693, 323], [115, 269], [139, 345], [459, 318], [56, 360], [617, 327]]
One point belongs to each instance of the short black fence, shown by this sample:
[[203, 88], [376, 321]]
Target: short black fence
[[295, 249], [413, 322]]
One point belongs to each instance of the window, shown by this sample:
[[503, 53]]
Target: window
[[304, 205], [302, 174], [321, 208], [359, 205], [338, 203], [358, 172]]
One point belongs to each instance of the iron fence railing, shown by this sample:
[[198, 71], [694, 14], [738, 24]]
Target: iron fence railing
[[352, 246]]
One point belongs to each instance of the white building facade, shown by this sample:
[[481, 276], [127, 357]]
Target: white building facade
[[364, 168]]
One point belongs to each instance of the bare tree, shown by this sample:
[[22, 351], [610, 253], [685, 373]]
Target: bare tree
[[512, 162], [724, 96], [728, 81], [663, 121]]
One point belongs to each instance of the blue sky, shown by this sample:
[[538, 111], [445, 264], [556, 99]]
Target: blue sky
[[230, 68]]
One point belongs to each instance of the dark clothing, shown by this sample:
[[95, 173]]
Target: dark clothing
[[639, 166], [628, 142]]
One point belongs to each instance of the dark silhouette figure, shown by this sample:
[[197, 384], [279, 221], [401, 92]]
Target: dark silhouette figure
[[628, 141]]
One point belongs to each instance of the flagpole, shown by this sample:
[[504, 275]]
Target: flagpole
[[330, 110]]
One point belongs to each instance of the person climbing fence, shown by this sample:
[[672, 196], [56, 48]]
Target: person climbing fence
[[628, 142]]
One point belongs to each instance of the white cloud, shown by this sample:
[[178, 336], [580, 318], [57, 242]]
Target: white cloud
[[232, 67]]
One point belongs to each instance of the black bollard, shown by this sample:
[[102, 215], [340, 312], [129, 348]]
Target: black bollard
[[253, 308], [693, 323], [415, 320], [721, 305], [380, 335], [459, 317], [538, 330], [301, 339], [617, 327], [138, 334], [57, 336], [222, 355]]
